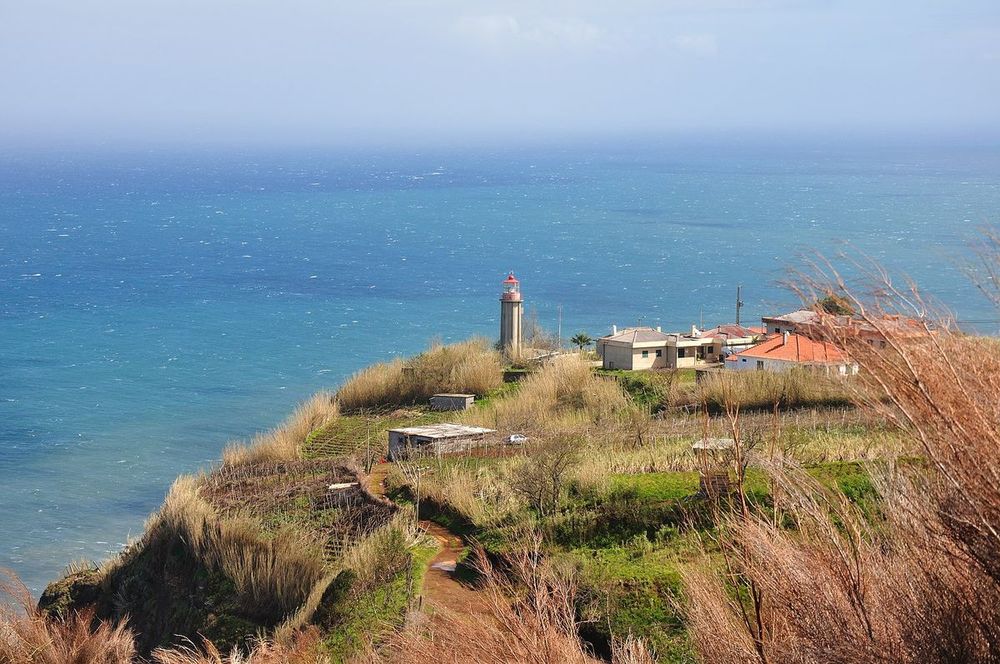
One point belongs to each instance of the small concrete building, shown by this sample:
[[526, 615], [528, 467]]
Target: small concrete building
[[452, 401], [434, 439]]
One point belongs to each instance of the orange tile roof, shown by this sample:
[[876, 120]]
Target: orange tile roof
[[796, 349]]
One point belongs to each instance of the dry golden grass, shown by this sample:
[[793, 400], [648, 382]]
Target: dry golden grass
[[368, 554], [278, 572], [482, 494], [377, 386], [29, 637], [285, 442], [564, 395], [468, 367], [754, 390]]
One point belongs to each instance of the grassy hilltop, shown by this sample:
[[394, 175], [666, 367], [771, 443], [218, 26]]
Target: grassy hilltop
[[852, 532]]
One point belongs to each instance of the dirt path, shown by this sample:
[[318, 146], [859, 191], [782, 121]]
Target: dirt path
[[441, 587]]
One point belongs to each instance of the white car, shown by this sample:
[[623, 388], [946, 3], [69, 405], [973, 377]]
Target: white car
[[516, 439]]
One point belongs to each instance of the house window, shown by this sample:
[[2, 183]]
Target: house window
[[760, 365], [743, 359], [680, 352], [659, 352], [645, 353]]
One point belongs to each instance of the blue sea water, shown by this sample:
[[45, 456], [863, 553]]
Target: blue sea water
[[155, 305]]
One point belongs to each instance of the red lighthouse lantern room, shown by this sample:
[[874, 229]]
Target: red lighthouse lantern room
[[511, 289]]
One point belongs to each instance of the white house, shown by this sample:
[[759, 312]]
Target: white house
[[781, 352]]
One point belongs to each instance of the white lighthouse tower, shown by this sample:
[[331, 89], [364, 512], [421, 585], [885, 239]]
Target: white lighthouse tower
[[511, 314]]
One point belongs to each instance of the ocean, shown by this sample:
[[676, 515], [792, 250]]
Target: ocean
[[155, 305]]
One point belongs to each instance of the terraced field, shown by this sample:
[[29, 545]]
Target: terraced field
[[355, 436]]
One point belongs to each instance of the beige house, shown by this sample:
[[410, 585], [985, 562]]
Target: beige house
[[637, 348]]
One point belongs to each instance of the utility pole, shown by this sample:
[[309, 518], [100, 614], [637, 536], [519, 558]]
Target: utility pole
[[739, 303], [559, 325]]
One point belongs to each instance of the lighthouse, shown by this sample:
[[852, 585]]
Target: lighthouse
[[511, 313]]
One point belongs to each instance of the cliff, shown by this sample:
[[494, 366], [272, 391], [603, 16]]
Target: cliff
[[267, 547]]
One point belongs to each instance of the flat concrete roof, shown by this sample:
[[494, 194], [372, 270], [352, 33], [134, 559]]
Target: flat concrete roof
[[442, 431], [714, 444], [459, 396], [799, 316]]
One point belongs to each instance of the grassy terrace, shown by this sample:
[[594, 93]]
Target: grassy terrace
[[352, 436], [625, 544]]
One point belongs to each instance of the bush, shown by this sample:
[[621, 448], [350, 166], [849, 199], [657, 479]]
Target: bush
[[541, 479]]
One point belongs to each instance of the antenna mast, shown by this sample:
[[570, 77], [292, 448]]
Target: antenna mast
[[559, 328], [739, 303]]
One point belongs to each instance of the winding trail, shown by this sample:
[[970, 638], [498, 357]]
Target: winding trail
[[442, 590]]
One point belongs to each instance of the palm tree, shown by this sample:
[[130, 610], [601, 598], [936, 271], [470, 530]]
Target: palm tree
[[581, 339]]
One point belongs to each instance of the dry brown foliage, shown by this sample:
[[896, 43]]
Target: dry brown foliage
[[28, 637], [302, 650], [529, 618], [541, 479], [921, 581]]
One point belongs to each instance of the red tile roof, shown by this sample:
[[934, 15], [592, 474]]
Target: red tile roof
[[796, 348]]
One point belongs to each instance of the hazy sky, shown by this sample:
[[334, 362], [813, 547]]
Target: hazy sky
[[291, 71]]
